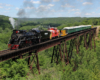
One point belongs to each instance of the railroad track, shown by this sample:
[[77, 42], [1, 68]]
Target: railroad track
[[4, 51]]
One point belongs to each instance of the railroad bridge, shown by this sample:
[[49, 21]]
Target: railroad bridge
[[60, 49]]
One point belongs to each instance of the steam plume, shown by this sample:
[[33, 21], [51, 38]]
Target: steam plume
[[12, 21]]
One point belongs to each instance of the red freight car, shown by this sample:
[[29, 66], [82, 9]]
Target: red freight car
[[54, 31]]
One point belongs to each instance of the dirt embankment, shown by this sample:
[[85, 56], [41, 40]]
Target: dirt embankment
[[97, 32]]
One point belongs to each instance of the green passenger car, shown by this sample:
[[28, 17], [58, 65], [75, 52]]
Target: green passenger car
[[69, 29], [76, 28]]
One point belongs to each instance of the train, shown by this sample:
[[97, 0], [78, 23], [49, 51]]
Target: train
[[21, 38]]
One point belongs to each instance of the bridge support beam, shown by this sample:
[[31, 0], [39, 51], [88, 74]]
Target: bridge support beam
[[77, 43], [85, 40], [30, 62], [94, 33]]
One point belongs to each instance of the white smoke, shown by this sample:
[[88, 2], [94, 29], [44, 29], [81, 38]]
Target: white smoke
[[12, 21]]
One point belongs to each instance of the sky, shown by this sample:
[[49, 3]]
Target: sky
[[50, 8]]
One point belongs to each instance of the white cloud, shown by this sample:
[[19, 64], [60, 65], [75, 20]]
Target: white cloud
[[93, 12], [8, 9], [77, 14], [1, 7], [1, 4], [17, 8], [98, 13], [98, 8], [29, 8], [41, 8], [88, 14], [51, 5], [6, 12], [8, 5], [53, 10], [46, 1], [74, 10], [5, 5], [44, 8], [55, 0], [87, 3], [67, 5], [35, 2], [61, 10], [80, 0]]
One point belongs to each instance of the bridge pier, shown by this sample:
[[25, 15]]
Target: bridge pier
[[94, 39], [85, 40], [21, 56], [77, 43], [30, 62], [37, 62], [55, 55]]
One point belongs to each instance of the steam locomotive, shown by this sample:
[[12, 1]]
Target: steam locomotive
[[21, 38]]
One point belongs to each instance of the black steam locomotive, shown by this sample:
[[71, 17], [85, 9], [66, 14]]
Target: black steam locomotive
[[22, 38]]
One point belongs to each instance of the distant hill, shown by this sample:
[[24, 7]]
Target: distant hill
[[68, 21], [55, 22]]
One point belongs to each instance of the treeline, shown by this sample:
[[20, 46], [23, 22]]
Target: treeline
[[56, 22], [59, 22]]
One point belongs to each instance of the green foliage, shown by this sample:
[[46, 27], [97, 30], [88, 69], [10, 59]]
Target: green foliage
[[4, 22], [13, 70], [1, 30], [5, 36], [3, 46], [46, 77], [83, 67]]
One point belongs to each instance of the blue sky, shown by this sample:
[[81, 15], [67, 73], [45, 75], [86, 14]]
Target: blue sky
[[50, 8]]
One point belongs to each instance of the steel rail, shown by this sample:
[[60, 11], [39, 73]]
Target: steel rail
[[5, 55]]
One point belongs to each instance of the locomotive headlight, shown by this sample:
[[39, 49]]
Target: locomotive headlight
[[17, 32]]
